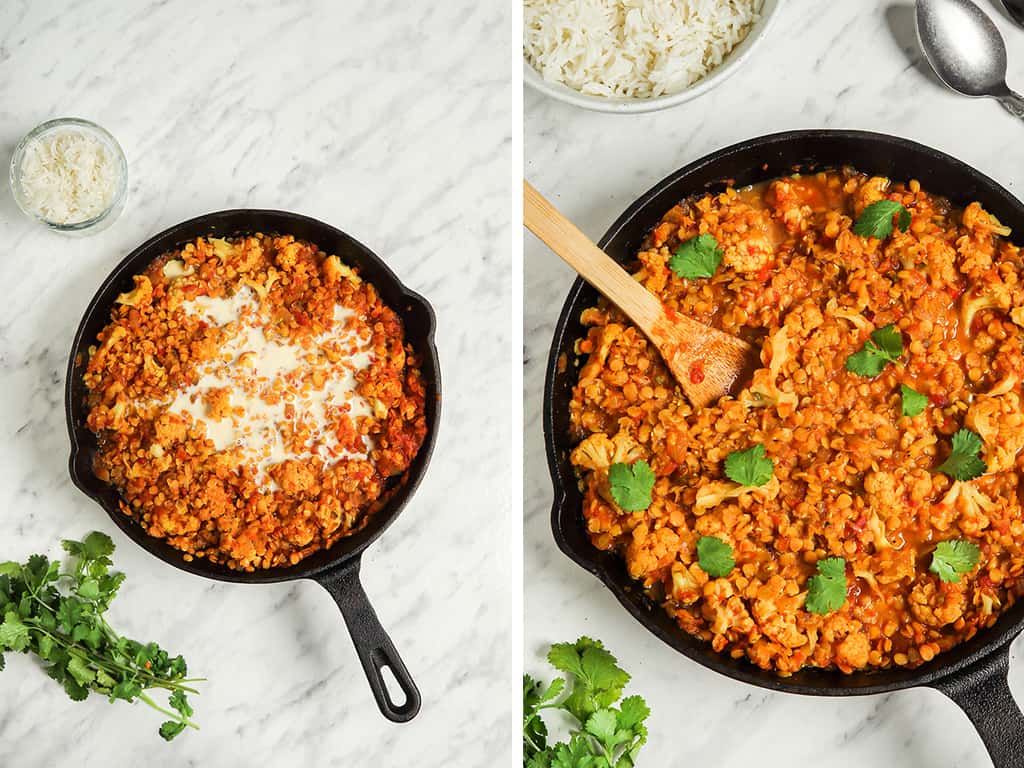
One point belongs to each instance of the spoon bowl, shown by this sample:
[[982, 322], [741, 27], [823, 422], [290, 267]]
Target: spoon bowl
[[964, 47], [1015, 9]]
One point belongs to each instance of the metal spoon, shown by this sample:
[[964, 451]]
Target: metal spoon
[[966, 50], [1016, 10]]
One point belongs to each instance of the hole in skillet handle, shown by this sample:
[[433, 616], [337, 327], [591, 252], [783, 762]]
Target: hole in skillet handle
[[981, 691], [383, 666]]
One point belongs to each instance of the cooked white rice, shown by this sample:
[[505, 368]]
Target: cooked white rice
[[634, 49]]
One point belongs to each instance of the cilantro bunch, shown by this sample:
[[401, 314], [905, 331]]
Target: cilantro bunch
[[602, 735], [59, 616]]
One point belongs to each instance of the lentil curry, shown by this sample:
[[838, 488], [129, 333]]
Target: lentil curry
[[835, 561], [254, 400]]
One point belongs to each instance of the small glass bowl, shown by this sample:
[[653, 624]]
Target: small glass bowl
[[89, 226]]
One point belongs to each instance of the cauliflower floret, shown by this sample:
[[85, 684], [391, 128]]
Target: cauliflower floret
[[138, 296], [335, 271], [980, 221], [221, 248], [853, 651], [713, 493], [788, 202], [1006, 384], [725, 610], [598, 452], [602, 337], [262, 289], [762, 390], [871, 191], [994, 295], [877, 528], [972, 505], [750, 253], [858, 320], [218, 403], [779, 626], [174, 268], [288, 255], [650, 550], [999, 421], [687, 583]]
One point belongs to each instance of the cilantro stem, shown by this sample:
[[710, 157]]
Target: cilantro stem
[[177, 716], [107, 664]]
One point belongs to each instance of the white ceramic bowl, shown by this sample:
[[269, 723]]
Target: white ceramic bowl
[[732, 62]]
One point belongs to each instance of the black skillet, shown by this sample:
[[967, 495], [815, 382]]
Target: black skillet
[[336, 569], [974, 673]]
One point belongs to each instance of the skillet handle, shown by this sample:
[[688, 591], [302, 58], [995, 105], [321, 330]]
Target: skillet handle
[[981, 691], [372, 643]]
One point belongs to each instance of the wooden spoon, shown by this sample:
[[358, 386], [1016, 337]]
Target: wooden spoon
[[706, 362]]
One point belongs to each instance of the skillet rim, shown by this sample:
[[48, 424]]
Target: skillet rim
[[347, 551], [957, 662]]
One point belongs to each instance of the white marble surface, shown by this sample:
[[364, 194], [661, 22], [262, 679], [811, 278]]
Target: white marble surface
[[836, 65], [397, 122]]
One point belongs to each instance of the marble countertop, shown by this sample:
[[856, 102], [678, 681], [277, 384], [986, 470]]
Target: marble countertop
[[398, 124], [835, 65]]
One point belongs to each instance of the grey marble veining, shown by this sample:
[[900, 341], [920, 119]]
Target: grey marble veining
[[399, 123], [837, 65]]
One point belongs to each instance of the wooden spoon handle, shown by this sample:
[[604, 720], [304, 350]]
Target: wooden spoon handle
[[589, 261]]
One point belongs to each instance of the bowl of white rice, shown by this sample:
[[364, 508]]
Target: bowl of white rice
[[637, 55]]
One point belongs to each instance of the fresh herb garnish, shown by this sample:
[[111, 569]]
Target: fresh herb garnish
[[951, 558], [697, 257], [884, 346], [59, 616], [963, 462], [826, 591], [913, 401], [876, 220], [749, 467], [631, 485], [601, 735], [714, 557]]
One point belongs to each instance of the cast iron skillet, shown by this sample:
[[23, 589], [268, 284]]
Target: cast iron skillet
[[337, 568], [974, 673]]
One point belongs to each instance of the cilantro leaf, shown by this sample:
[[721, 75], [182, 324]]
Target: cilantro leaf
[[697, 257], [179, 702], [952, 558], [74, 690], [876, 220], [749, 467], [884, 346], [913, 401], [599, 680], [171, 728], [602, 724], [963, 462], [601, 735], [631, 486], [14, 634], [632, 711], [826, 591], [79, 669], [97, 545], [714, 556]]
